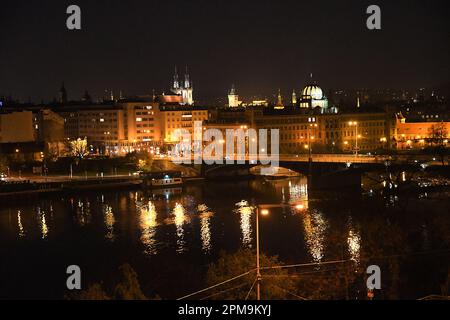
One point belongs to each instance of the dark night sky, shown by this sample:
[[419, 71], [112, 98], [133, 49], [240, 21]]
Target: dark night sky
[[260, 45]]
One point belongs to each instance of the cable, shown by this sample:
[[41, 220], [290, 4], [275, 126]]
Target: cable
[[293, 294], [216, 285], [305, 264], [223, 291], [249, 291]]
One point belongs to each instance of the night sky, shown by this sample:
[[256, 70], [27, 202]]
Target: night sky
[[259, 46]]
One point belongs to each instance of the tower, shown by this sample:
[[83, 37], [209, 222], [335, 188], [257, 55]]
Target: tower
[[279, 104], [176, 82], [62, 94], [185, 90], [294, 98], [233, 98]]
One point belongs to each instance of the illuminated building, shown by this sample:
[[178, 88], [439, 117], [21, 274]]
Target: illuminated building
[[279, 105], [177, 117], [184, 89], [312, 97], [294, 98], [417, 135], [233, 98]]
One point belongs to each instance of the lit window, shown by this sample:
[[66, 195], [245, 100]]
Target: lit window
[[139, 119]]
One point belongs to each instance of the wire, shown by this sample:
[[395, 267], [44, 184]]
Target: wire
[[216, 285], [305, 264], [293, 294], [308, 265], [249, 291], [223, 291]]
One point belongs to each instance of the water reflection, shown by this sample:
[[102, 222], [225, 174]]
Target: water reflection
[[180, 218], [19, 223], [246, 211], [148, 224], [315, 227], [354, 243], [109, 221], [205, 215], [83, 213], [42, 223], [298, 193]]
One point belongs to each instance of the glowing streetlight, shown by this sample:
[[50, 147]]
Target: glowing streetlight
[[355, 124]]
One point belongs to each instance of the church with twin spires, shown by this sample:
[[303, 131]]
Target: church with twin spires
[[183, 88]]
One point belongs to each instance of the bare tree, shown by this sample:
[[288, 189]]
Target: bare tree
[[438, 135], [79, 148]]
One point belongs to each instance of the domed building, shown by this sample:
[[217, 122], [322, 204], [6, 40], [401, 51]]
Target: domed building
[[312, 97]]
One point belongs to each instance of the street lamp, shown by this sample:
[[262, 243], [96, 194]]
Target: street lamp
[[311, 126], [266, 212], [355, 124]]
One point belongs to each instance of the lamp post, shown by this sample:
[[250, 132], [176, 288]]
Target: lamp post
[[265, 212], [355, 124], [311, 125]]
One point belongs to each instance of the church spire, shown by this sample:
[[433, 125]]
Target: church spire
[[62, 94], [176, 82], [187, 83], [279, 104], [294, 98]]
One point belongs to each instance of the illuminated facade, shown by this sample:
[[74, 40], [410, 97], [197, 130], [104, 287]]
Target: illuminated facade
[[173, 118], [233, 98], [279, 105], [312, 97], [183, 88], [418, 135]]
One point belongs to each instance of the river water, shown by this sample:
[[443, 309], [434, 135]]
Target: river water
[[170, 237]]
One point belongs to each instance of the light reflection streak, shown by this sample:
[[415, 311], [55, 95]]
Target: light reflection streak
[[19, 223], [205, 230], [42, 223], [246, 211], [180, 219], [354, 245], [148, 224], [315, 227], [109, 222]]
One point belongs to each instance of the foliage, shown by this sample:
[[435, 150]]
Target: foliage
[[438, 134], [126, 288], [4, 163], [275, 285], [79, 148]]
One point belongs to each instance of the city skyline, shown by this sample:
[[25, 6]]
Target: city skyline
[[257, 48]]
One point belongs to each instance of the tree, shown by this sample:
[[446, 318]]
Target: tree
[[275, 284], [128, 287], [79, 148], [3, 163], [93, 292], [438, 134]]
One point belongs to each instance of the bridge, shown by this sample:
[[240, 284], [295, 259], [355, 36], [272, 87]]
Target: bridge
[[324, 158]]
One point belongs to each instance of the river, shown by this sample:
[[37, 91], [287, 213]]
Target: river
[[170, 237]]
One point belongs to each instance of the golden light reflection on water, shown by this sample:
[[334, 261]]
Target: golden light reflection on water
[[83, 213], [19, 223], [245, 211], [205, 215], [148, 224], [42, 223], [109, 222], [315, 227], [354, 243], [180, 218], [298, 193]]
